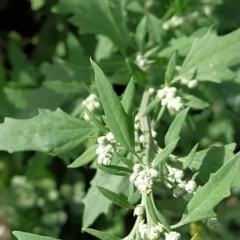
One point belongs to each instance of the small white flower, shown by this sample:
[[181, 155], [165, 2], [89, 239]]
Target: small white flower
[[151, 90], [172, 236], [191, 186], [177, 192], [141, 61], [128, 238], [106, 146], [177, 174], [192, 83], [154, 233], [137, 168], [143, 179], [139, 210], [92, 103], [142, 229], [168, 98], [213, 224], [189, 83]]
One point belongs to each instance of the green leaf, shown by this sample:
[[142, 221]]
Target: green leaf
[[93, 210], [171, 68], [65, 88], [29, 236], [162, 219], [151, 106], [194, 237], [114, 170], [37, 164], [107, 23], [100, 235], [138, 74], [211, 60], [118, 122], [51, 132], [175, 128], [85, 158], [207, 197], [115, 198], [150, 209], [154, 28], [95, 120], [195, 102], [140, 34], [164, 153], [128, 97], [210, 160], [188, 160], [75, 51], [123, 159]]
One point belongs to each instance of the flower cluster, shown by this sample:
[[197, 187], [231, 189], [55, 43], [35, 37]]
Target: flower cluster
[[184, 188], [176, 21], [189, 83], [168, 98], [141, 61], [143, 178], [212, 223], [172, 236], [152, 233], [92, 103], [106, 146], [139, 210]]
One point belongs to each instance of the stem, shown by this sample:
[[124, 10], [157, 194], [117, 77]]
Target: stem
[[146, 128]]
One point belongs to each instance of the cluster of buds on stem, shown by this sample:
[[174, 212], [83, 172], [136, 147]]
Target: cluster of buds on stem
[[92, 103], [143, 178], [186, 189], [168, 98], [106, 146]]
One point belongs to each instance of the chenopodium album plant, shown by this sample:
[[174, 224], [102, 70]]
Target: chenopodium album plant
[[128, 134]]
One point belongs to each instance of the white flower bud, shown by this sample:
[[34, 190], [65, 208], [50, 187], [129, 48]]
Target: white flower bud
[[153, 172], [172, 236], [128, 238], [137, 167], [177, 192], [191, 186], [142, 229], [139, 210], [192, 83], [213, 224]]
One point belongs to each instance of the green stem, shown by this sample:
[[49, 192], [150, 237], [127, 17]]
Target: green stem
[[146, 128]]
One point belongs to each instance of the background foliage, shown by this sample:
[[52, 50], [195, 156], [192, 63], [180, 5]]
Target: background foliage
[[44, 63]]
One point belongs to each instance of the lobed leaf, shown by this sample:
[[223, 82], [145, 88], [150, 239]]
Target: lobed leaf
[[107, 23], [51, 132], [210, 160], [209, 60], [207, 197]]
